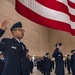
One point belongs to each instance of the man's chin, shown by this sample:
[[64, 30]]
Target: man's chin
[[22, 37]]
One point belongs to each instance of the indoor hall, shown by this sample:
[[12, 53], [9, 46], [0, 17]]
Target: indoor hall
[[39, 39]]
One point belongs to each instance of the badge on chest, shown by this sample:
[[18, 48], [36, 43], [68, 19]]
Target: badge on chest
[[13, 47]]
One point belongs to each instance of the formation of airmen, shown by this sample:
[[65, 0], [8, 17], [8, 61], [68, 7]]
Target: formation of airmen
[[17, 60], [45, 65]]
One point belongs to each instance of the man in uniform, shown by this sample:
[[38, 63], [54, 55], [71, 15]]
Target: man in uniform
[[73, 62], [57, 54], [68, 61], [47, 64], [14, 51]]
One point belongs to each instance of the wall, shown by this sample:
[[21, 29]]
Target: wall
[[66, 38]]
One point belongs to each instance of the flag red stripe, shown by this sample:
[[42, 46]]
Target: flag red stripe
[[72, 18], [42, 20], [55, 5], [71, 4]]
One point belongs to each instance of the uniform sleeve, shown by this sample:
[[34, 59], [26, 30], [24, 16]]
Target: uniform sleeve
[[72, 58], [55, 53], [2, 45], [1, 32]]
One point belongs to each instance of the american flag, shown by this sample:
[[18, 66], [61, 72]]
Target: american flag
[[56, 14]]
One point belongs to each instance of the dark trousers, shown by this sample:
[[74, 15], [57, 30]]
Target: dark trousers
[[59, 74], [73, 71], [31, 70], [47, 73], [68, 68]]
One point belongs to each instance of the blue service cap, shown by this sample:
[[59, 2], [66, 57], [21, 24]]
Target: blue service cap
[[58, 44], [72, 50], [47, 53], [16, 25], [68, 55]]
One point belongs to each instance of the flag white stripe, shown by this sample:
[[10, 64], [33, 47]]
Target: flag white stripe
[[71, 10], [72, 25], [73, 1], [47, 12]]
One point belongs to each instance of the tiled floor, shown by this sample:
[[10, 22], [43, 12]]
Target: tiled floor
[[36, 72]]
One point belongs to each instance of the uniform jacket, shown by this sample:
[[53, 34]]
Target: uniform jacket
[[1, 32], [1, 66], [68, 62], [59, 62], [47, 64], [15, 57], [73, 61]]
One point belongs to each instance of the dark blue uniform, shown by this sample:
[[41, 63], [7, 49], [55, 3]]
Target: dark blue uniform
[[73, 64], [1, 32], [27, 66], [65, 63], [52, 65], [15, 57], [47, 66], [31, 66], [68, 65], [1, 66], [59, 62]]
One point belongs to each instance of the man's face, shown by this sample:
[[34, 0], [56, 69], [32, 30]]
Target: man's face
[[18, 33], [48, 55], [60, 47], [1, 55], [74, 52]]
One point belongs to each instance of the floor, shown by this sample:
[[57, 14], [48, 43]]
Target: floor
[[36, 72]]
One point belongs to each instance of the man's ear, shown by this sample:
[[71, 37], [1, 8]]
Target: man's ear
[[57, 45], [12, 32]]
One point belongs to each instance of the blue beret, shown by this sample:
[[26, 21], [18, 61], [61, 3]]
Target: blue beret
[[16, 25], [58, 44]]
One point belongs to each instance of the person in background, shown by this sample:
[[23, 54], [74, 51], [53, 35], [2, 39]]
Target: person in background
[[27, 63], [31, 66], [39, 64], [68, 61], [73, 62], [47, 64], [57, 54], [52, 64], [65, 63]]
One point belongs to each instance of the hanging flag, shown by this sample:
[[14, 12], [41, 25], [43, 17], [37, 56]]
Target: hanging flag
[[56, 14]]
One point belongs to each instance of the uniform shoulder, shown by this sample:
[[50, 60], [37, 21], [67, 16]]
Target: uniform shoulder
[[1, 32], [56, 50], [5, 39]]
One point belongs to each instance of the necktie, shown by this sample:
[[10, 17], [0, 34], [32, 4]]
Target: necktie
[[22, 47]]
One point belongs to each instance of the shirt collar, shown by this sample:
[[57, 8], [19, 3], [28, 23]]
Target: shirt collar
[[18, 40]]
